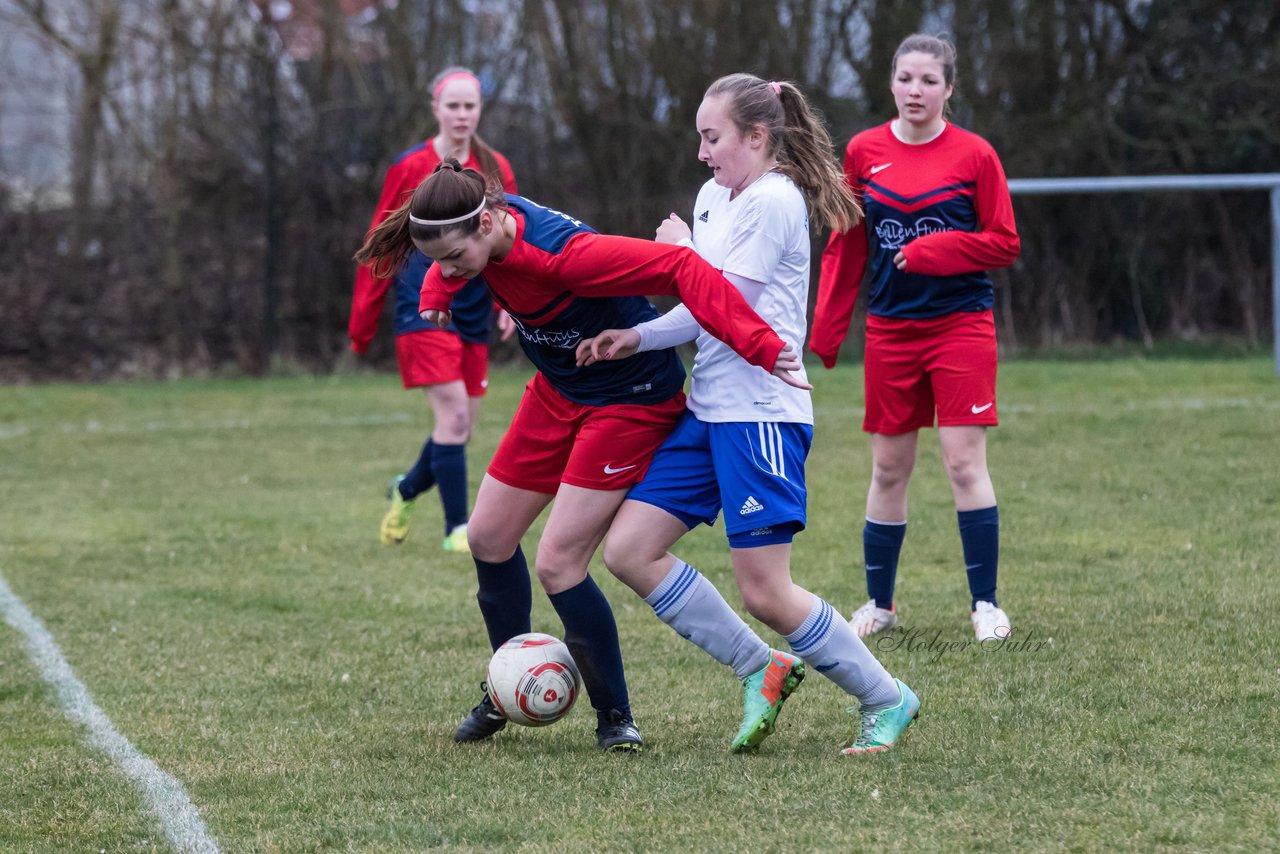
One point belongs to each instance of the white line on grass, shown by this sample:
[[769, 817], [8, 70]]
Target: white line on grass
[[17, 431], [181, 820]]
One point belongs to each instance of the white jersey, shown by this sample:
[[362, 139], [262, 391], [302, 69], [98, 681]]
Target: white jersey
[[762, 235]]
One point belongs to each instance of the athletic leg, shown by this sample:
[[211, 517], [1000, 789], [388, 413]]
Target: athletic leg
[[452, 409], [502, 516], [577, 524], [964, 452], [893, 458]]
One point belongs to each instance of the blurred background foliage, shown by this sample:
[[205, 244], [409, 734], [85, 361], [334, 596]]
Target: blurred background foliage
[[183, 182]]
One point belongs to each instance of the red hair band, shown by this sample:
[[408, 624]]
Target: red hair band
[[435, 93]]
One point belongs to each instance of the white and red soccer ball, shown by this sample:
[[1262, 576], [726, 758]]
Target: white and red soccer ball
[[533, 680]]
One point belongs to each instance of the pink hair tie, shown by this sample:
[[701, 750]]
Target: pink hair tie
[[776, 87], [435, 93]]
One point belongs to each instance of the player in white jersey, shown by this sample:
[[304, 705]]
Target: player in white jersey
[[742, 444]]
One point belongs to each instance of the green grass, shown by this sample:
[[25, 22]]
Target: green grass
[[205, 553]]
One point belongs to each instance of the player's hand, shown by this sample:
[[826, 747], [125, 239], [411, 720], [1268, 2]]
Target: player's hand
[[506, 326], [788, 362], [900, 261], [673, 230], [440, 318], [609, 344]]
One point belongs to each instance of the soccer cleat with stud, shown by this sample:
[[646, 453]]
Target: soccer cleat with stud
[[764, 692], [395, 525], [990, 622], [880, 729], [456, 541], [481, 722], [616, 732], [870, 619]]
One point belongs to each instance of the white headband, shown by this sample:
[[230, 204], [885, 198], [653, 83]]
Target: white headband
[[413, 219]]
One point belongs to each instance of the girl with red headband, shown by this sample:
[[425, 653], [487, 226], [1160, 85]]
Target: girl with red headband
[[450, 365]]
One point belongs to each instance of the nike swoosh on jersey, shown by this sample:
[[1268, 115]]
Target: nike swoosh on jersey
[[875, 169]]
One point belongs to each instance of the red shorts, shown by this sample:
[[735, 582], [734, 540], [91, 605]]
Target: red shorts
[[553, 440], [434, 358], [914, 368]]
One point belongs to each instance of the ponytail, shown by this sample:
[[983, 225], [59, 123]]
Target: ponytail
[[450, 199], [806, 156], [797, 139]]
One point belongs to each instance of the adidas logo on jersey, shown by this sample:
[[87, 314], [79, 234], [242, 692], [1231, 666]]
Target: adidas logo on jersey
[[750, 506], [702, 217]]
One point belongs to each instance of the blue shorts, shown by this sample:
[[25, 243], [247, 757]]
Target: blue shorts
[[755, 470]]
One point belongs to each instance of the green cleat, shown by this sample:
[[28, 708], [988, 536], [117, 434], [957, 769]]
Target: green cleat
[[395, 525], [879, 730], [764, 692]]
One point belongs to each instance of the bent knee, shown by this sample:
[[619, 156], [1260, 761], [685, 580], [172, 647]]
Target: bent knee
[[762, 604], [489, 544], [623, 554]]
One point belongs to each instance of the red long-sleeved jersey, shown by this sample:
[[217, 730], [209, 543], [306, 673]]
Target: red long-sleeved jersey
[[558, 268], [945, 204]]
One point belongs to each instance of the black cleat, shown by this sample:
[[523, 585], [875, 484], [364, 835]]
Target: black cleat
[[616, 732], [484, 721]]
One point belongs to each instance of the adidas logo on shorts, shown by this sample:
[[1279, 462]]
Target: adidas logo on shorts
[[750, 506]]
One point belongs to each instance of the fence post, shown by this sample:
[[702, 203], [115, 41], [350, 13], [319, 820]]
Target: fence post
[[1275, 271]]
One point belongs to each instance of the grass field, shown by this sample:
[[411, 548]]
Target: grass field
[[205, 555]]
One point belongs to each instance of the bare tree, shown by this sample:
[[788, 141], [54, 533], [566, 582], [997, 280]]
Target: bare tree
[[87, 32]]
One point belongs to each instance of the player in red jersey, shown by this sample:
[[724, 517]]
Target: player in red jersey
[[581, 436], [938, 216], [450, 365]]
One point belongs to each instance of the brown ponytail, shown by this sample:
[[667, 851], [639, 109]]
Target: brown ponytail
[[447, 193], [797, 138]]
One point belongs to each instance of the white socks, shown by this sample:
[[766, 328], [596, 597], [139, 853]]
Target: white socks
[[691, 605], [830, 646]]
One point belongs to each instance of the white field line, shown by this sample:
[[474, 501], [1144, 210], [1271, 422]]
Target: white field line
[[92, 427], [181, 820]]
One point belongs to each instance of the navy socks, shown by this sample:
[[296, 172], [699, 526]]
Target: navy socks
[[592, 637], [881, 546], [505, 597], [980, 538], [420, 478], [449, 463], [445, 465]]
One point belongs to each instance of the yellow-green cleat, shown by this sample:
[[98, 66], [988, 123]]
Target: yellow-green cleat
[[763, 694], [456, 541], [395, 525]]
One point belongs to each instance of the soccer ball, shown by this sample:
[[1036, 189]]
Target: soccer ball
[[533, 680]]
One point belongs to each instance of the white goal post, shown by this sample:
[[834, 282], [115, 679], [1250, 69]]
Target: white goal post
[[1269, 181]]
